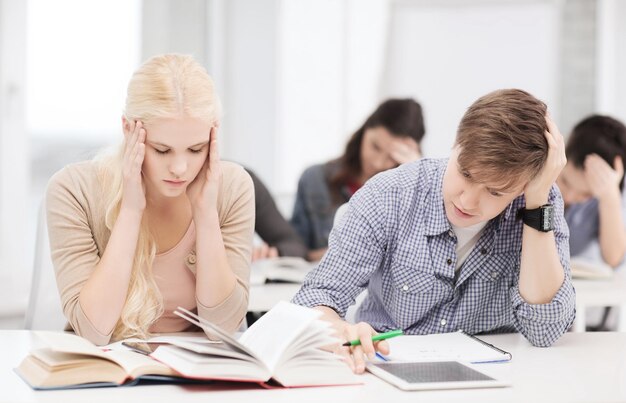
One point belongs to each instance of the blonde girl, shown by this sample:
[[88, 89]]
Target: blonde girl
[[161, 222]]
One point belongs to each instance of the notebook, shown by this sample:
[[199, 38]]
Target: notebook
[[455, 346]]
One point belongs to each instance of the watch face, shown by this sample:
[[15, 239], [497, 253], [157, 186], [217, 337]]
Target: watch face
[[548, 218]]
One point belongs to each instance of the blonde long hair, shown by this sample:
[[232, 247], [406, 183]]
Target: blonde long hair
[[165, 86]]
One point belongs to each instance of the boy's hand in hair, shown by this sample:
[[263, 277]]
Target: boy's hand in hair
[[603, 180], [538, 189]]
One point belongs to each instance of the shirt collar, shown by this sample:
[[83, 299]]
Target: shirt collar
[[436, 219]]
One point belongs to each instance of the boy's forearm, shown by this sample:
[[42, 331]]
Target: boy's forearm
[[541, 272]]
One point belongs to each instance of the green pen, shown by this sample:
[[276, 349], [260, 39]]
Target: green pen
[[377, 337]]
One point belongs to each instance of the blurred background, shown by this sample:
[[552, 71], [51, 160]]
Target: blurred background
[[296, 79]]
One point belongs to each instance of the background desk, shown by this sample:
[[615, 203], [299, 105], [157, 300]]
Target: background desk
[[589, 293], [263, 297], [580, 367], [597, 293]]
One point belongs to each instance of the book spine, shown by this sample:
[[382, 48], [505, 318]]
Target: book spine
[[506, 353]]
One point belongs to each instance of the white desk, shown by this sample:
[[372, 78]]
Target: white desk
[[597, 293], [580, 367]]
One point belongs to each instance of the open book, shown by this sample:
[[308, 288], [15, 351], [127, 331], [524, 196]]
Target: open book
[[590, 269], [280, 269], [284, 345], [455, 346], [70, 361]]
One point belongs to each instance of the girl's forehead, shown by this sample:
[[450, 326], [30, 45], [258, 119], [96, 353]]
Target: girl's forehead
[[178, 131]]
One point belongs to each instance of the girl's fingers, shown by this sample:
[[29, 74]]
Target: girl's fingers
[[618, 166], [214, 156], [132, 138]]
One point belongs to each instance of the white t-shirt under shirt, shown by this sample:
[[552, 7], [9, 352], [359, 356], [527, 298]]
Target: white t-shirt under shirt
[[466, 239]]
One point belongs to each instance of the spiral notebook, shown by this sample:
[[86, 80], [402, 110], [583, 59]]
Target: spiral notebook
[[455, 346]]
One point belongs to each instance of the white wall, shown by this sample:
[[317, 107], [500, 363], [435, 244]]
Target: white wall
[[447, 53], [15, 253], [611, 42]]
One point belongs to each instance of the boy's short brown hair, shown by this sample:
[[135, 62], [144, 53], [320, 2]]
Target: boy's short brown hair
[[501, 138]]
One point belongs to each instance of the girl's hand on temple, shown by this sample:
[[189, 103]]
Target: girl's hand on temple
[[203, 191], [405, 150], [134, 194]]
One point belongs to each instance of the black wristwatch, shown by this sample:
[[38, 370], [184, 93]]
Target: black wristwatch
[[541, 219]]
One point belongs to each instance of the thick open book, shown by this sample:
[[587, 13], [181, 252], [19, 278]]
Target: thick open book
[[284, 346], [70, 361], [455, 346], [589, 269], [280, 269]]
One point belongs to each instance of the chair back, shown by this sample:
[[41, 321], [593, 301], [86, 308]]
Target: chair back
[[44, 310]]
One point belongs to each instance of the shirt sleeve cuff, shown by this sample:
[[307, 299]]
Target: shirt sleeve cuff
[[560, 308], [311, 298], [543, 324]]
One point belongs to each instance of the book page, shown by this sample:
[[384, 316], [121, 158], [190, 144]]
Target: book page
[[136, 364], [271, 335], [444, 346], [70, 343]]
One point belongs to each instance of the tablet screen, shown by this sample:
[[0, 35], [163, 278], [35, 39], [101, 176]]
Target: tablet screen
[[428, 372], [433, 375]]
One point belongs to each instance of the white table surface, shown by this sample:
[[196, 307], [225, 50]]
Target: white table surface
[[580, 367]]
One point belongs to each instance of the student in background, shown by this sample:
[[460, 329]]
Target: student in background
[[438, 243], [389, 137], [592, 185], [279, 237], [159, 223]]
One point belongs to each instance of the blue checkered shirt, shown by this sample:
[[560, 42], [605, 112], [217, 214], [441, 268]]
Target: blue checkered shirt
[[396, 241]]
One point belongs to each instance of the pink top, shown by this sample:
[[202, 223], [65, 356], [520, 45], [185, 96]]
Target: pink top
[[176, 283], [76, 213]]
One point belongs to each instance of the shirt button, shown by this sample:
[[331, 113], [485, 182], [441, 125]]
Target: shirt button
[[405, 287], [191, 259], [494, 275], [451, 233], [483, 251], [443, 322], [449, 261]]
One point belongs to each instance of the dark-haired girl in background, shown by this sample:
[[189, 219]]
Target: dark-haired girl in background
[[389, 137]]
